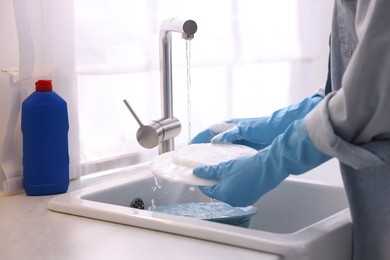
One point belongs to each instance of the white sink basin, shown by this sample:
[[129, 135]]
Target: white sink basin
[[297, 220]]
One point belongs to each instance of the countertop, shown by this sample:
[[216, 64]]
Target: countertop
[[28, 230]]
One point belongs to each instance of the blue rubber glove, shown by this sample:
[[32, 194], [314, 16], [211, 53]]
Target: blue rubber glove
[[244, 180], [257, 132]]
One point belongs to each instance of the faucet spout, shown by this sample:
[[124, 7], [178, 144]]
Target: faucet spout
[[187, 28]]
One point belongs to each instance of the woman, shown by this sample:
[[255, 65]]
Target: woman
[[349, 121]]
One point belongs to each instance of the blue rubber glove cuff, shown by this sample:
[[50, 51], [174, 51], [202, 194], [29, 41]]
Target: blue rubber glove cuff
[[244, 180]]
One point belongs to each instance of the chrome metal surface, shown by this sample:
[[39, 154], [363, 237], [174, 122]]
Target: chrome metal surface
[[187, 28]]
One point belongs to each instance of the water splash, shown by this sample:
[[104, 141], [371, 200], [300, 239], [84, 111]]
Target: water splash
[[153, 205], [157, 184]]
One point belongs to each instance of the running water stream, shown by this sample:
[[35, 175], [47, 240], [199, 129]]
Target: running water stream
[[188, 58]]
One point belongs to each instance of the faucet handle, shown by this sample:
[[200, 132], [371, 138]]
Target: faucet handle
[[133, 112], [157, 131]]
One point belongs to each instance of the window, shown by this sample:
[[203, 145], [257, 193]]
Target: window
[[248, 58]]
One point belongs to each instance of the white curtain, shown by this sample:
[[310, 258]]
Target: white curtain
[[44, 53], [98, 52]]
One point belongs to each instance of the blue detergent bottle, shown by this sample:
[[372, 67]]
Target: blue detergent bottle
[[45, 142]]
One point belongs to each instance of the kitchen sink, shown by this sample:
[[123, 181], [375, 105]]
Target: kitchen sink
[[298, 220]]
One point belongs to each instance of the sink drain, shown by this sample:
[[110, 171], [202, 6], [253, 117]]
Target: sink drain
[[137, 203]]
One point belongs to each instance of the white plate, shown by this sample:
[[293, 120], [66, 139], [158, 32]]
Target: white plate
[[177, 166]]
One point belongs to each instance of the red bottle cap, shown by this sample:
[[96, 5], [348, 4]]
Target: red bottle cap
[[43, 86]]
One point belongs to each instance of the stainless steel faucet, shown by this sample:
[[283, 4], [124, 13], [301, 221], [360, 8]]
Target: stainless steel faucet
[[163, 131]]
